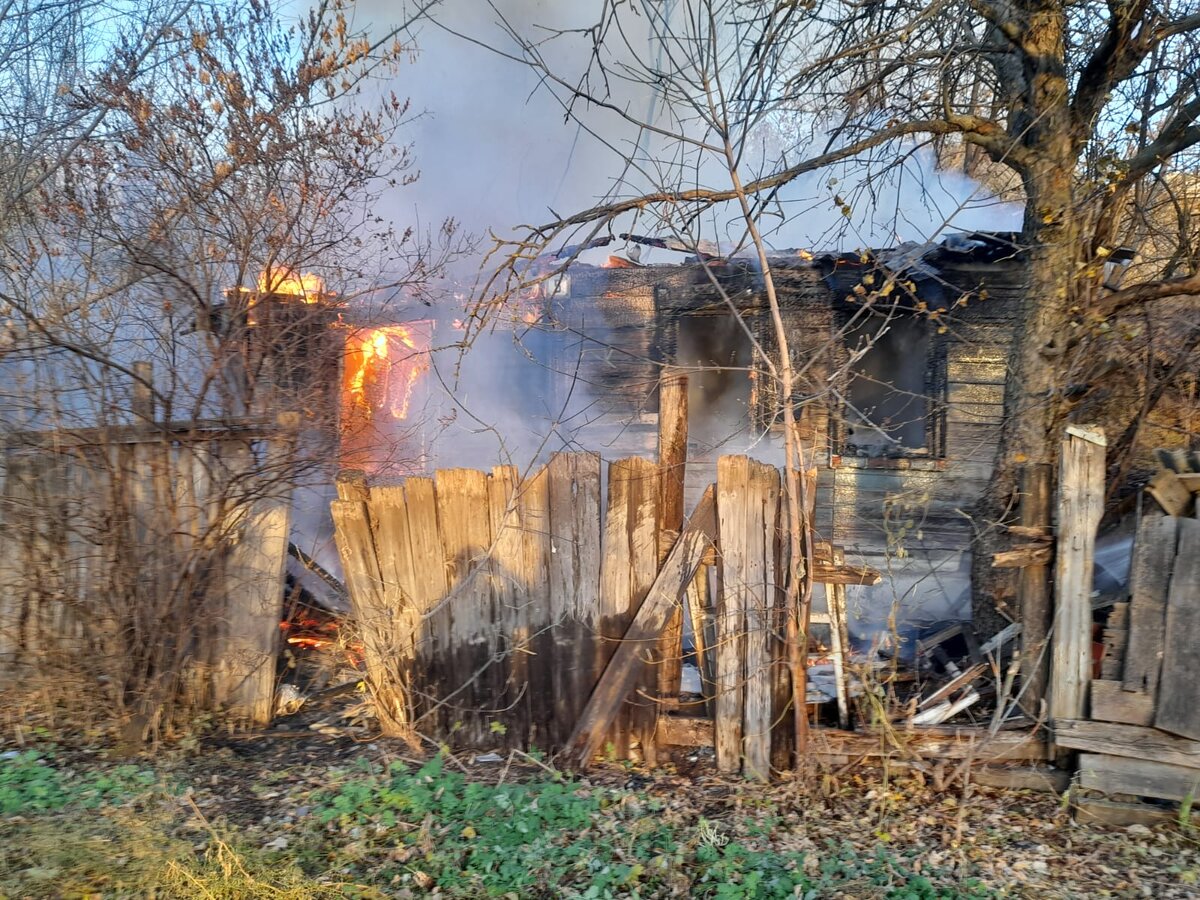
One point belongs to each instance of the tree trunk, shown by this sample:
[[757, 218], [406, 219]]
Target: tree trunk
[[1040, 355]]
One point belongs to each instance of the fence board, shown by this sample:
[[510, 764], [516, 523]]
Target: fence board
[[398, 620], [462, 497], [507, 566], [429, 589], [643, 554], [534, 505], [756, 565], [672, 463], [1178, 711], [733, 478], [574, 582], [1149, 576]]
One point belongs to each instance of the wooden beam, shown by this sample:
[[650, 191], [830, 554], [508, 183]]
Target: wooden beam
[[1139, 777], [1127, 740], [1094, 811], [757, 565], [626, 664], [1080, 505], [1177, 709], [844, 574], [1023, 778]]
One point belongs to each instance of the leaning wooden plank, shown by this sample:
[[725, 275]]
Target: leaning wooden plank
[[672, 464], [1139, 777], [1127, 740], [757, 566], [1080, 504], [938, 742], [1149, 577], [1178, 711], [625, 667], [733, 478], [1170, 492], [574, 582], [1110, 702]]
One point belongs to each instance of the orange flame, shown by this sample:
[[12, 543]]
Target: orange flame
[[374, 370], [281, 280]]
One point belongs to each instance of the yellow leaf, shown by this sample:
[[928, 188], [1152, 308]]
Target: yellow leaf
[[468, 833]]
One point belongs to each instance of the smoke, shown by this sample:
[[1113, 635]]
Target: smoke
[[495, 148]]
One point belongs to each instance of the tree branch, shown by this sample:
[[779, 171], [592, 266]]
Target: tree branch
[[1145, 293]]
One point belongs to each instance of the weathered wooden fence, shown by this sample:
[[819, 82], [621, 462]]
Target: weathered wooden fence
[[506, 611], [147, 562]]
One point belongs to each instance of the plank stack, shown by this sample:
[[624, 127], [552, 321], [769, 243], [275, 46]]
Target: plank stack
[[1141, 739]]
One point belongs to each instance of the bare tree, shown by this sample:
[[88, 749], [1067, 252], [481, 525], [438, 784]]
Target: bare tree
[[163, 203]]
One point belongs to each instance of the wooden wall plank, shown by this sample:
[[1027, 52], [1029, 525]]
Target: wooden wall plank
[[465, 530], [398, 620], [1149, 576], [733, 479], [574, 494], [643, 556], [507, 563], [1178, 711], [615, 583], [1080, 504]]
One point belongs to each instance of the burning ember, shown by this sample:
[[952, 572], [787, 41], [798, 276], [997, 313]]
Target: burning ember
[[283, 281]]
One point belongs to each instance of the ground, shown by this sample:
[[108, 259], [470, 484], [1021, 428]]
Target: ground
[[294, 814]]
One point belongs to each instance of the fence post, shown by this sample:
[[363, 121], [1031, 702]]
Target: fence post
[[1080, 504], [1033, 592]]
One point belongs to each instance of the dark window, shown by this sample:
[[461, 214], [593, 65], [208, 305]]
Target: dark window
[[890, 406]]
